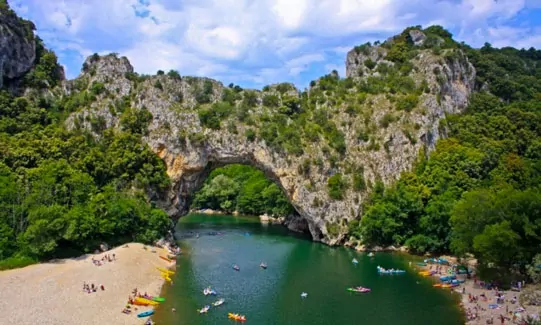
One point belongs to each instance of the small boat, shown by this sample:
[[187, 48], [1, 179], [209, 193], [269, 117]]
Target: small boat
[[237, 317], [236, 267], [161, 269], [145, 301], [370, 254], [158, 299], [359, 289], [263, 266], [390, 271], [218, 302], [165, 258], [209, 291], [145, 313], [204, 309], [447, 277], [139, 303], [304, 295], [354, 261]]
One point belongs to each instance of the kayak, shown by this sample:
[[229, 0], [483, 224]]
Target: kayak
[[139, 303], [165, 270], [447, 277], [204, 309], [158, 299], [392, 271], [145, 313], [437, 285], [218, 302], [237, 317], [359, 290], [421, 263], [165, 258], [145, 301]]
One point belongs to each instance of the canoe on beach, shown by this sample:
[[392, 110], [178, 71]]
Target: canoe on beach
[[145, 301], [161, 269], [165, 258], [145, 313]]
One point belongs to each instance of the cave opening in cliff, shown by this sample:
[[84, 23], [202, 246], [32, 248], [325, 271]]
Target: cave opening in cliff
[[244, 190]]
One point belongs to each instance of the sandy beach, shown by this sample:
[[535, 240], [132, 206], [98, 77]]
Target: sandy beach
[[52, 293], [480, 307]]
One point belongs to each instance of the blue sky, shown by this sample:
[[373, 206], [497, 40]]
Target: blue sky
[[257, 42]]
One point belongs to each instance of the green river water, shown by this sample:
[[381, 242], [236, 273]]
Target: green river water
[[295, 264]]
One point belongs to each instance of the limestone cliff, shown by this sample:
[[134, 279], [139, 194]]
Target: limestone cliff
[[17, 44], [325, 147]]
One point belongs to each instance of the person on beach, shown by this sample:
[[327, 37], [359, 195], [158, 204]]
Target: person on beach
[[114, 257], [102, 287]]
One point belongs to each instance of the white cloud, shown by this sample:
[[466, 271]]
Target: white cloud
[[301, 63], [259, 41]]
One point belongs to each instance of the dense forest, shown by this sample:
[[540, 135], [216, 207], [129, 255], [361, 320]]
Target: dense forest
[[243, 189], [63, 192], [480, 190]]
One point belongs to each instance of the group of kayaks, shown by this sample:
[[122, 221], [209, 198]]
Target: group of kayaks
[[209, 291], [147, 301], [262, 265], [447, 281], [389, 271], [165, 273]]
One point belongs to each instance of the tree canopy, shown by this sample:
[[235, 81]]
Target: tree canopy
[[479, 192]]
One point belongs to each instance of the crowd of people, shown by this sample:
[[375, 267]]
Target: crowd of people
[[89, 288], [105, 258]]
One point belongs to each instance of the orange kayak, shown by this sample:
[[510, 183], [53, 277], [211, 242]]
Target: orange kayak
[[139, 303], [165, 258], [437, 285]]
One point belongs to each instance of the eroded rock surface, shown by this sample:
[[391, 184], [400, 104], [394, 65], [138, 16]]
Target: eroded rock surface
[[191, 151]]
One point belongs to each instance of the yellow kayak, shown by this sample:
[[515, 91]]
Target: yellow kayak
[[165, 270], [166, 277], [146, 301]]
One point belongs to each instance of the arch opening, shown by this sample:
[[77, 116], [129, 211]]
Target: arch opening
[[238, 187]]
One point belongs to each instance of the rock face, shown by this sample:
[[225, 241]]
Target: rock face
[[17, 45], [190, 151]]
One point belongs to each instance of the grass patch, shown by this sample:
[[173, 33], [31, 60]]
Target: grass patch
[[15, 262]]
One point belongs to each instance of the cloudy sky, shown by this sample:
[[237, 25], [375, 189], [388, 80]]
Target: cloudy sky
[[258, 42]]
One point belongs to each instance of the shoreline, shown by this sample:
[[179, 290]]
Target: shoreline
[[37, 292], [474, 300]]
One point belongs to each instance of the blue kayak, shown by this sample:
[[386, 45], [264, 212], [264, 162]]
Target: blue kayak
[[145, 313]]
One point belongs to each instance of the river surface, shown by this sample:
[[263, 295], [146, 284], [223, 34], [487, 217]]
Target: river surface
[[295, 265]]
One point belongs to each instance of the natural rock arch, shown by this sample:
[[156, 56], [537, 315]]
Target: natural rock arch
[[188, 179], [190, 150]]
